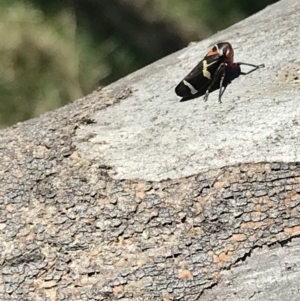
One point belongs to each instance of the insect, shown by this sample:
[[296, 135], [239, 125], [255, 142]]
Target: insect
[[216, 71]]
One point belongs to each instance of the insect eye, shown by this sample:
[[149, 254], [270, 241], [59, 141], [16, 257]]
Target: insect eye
[[229, 53]]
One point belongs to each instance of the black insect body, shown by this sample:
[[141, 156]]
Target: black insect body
[[216, 71]]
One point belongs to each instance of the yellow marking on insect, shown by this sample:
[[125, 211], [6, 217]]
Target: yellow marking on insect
[[206, 73], [190, 86]]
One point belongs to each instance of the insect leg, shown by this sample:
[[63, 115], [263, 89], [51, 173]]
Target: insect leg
[[251, 65], [215, 77], [221, 92]]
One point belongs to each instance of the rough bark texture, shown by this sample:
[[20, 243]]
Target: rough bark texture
[[79, 223]]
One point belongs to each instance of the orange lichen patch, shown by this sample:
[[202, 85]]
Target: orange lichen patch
[[10, 208], [40, 151], [185, 274], [118, 289], [296, 179], [257, 213], [122, 263], [216, 259], [219, 184], [229, 247], [204, 270], [121, 241], [241, 246], [124, 242], [258, 168], [51, 294], [66, 275], [217, 275], [75, 156], [223, 257], [30, 236], [22, 244], [253, 237], [46, 284], [292, 230], [141, 261], [287, 201], [139, 190], [83, 281], [200, 199], [166, 299], [197, 231], [94, 253], [289, 196], [271, 222], [102, 201], [273, 240], [63, 149], [210, 253], [121, 199], [282, 236], [271, 203], [140, 194], [238, 237], [138, 186], [258, 208], [231, 177], [266, 201], [88, 220], [251, 225], [292, 193]]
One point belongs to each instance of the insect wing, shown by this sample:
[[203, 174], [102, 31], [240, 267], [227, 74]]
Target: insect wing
[[196, 82]]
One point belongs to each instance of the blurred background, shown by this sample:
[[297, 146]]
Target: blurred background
[[54, 52]]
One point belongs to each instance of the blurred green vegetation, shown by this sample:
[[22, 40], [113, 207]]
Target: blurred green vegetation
[[55, 52]]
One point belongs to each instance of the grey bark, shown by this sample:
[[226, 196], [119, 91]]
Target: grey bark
[[128, 194]]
